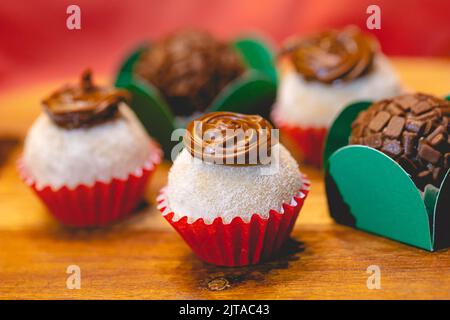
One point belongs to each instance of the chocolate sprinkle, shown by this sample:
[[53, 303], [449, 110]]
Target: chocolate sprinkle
[[414, 130], [395, 127], [379, 121]]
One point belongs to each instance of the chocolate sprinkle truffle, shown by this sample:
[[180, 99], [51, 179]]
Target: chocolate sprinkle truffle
[[189, 68], [412, 129]]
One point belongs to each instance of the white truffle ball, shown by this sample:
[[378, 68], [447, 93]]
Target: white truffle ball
[[58, 157], [204, 190], [315, 104]]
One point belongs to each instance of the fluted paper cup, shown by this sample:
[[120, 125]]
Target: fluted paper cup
[[99, 204], [237, 243]]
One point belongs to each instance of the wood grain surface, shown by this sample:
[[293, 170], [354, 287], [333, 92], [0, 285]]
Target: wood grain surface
[[143, 258]]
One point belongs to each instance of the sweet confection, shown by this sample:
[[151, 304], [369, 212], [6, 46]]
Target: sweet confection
[[321, 74], [231, 212], [87, 156], [189, 68], [414, 130]]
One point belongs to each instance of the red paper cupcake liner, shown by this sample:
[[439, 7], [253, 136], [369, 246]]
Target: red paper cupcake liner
[[309, 140], [237, 243], [100, 204]]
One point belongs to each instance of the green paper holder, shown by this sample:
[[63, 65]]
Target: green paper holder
[[367, 190], [252, 93]]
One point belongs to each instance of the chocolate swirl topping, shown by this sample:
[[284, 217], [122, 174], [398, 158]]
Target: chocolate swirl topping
[[230, 138], [83, 105], [333, 56]]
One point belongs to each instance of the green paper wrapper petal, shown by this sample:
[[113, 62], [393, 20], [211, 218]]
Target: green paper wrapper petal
[[251, 93], [257, 55]]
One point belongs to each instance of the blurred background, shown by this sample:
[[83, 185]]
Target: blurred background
[[36, 45], [38, 53]]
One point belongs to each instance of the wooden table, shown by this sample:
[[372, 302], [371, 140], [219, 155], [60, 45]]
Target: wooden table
[[144, 258]]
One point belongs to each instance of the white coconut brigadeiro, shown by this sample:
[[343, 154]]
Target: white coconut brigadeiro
[[87, 134], [211, 189], [322, 73], [234, 192], [314, 104]]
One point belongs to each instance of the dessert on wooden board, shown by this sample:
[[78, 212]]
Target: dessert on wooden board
[[87, 156], [225, 200]]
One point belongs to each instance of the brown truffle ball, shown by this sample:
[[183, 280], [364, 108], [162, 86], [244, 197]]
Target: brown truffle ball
[[412, 129], [189, 68]]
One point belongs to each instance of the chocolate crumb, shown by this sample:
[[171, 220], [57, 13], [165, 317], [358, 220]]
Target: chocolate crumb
[[428, 153], [374, 141], [437, 140], [395, 127], [392, 147], [394, 109], [421, 107], [379, 121], [414, 125]]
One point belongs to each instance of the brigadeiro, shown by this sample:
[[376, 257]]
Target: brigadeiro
[[87, 156], [231, 208], [321, 74], [412, 129], [189, 68]]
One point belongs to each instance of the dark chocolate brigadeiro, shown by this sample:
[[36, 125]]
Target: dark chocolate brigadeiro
[[414, 130], [84, 104], [189, 68]]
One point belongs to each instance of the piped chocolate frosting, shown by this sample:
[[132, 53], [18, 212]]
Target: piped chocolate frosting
[[84, 104], [230, 138], [412, 129], [333, 56]]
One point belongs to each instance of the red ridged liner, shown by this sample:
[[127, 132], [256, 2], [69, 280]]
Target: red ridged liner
[[237, 243], [309, 140], [97, 205]]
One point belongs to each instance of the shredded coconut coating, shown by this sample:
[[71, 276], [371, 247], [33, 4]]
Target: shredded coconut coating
[[58, 157], [201, 190], [314, 104]]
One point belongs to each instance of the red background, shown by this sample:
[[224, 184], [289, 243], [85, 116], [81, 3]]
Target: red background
[[35, 43]]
